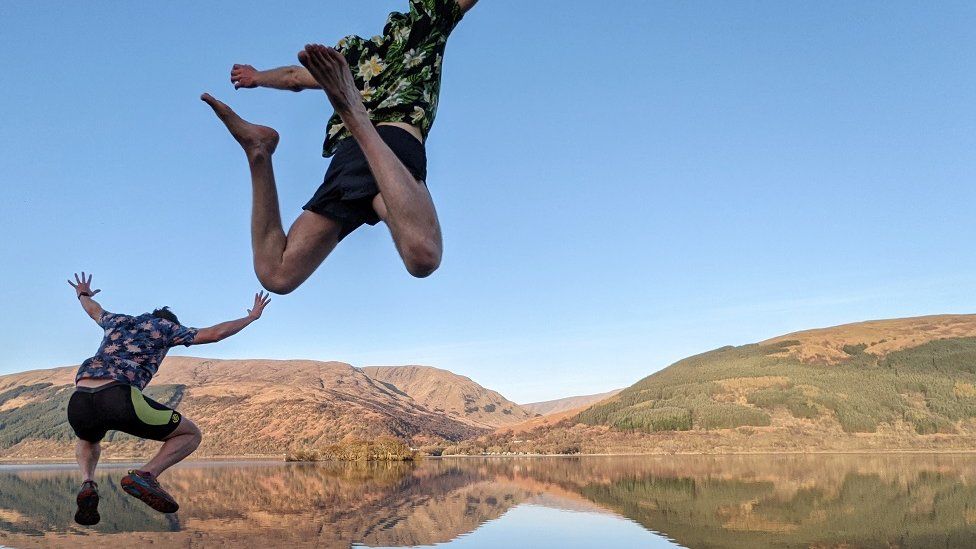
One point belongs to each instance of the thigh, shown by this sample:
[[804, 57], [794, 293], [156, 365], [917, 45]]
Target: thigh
[[140, 416], [84, 419], [311, 238], [424, 205]]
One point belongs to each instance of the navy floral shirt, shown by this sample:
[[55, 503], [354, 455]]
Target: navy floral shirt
[[133, 348], [398, 73]]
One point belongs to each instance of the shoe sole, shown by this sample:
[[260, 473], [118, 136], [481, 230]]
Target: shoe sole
[[87, 514], [145, 495]]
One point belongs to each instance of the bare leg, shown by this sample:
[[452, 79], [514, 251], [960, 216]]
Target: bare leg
[[87, 454], [406, 204], [281, 262], [177, 446]]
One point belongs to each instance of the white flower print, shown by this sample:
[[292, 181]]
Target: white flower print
[[418, 115], [367, 92], [371, 67], [413, 58]]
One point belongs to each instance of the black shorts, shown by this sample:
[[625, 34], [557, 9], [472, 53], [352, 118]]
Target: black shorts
[[346, 195], [119, 407]]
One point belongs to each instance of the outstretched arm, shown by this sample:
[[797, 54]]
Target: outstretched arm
[[224, 330], [292, 78], [84, 293]]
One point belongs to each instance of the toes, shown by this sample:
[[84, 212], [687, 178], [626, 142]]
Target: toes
[[319, 56], [335, 56], [220, 108]]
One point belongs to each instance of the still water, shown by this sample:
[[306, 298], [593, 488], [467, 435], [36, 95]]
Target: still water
[[669, 501]]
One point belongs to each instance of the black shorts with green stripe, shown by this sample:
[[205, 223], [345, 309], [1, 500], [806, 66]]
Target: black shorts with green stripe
[[116, 406]]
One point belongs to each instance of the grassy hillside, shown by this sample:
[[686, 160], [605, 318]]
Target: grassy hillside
[[931, 386], [902, 384]]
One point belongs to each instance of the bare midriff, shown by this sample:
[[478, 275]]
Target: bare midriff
[[413, 130], [89, 382]]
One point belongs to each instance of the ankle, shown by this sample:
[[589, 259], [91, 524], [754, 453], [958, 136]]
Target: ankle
[[258, 155]]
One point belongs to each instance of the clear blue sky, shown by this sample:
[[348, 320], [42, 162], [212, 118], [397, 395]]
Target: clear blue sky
[[619, 187]]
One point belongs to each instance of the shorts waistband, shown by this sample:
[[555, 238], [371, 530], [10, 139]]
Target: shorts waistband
[[99, 388]]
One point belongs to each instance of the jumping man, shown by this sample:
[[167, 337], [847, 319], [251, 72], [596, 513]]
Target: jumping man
[[384, 108], [108, 395]]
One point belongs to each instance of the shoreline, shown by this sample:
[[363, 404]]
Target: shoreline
[[279, 458]]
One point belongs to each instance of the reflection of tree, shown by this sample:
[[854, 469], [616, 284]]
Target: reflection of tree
[[801, 501], [732, 501]]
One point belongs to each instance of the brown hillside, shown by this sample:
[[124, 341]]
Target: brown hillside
[[569, 403], [826, 345], [541, 421], [259, 406], [457, 396]]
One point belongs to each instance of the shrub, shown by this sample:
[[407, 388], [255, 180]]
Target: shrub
[[854, 350]]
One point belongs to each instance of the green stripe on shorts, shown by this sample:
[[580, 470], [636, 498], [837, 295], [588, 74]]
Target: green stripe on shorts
[[146, 413]]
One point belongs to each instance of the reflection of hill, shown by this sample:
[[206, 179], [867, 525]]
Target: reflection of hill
[[794, 501], [732, 501], [332, 505]]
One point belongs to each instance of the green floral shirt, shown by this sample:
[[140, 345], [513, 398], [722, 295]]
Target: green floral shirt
[[399, 72]]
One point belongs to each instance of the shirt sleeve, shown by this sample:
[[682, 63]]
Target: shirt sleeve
[[110, 320], [444, 15], [182, 335]]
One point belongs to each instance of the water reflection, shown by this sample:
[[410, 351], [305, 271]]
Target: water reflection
[[732, 501]]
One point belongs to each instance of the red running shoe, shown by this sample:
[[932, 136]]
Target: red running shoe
[[144, 486], [87, 513]]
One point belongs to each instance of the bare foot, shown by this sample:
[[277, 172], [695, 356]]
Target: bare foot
[[331, 71], [257, 141]]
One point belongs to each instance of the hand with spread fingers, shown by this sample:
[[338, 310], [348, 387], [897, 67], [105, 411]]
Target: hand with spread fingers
[[261, 300], [82, 285]]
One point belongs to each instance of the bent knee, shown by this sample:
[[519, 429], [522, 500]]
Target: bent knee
[[422, 260], [192, 429], [278, 284]]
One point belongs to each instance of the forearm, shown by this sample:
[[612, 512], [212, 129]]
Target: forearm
[[231, 327], [292, 78], [90, 306]]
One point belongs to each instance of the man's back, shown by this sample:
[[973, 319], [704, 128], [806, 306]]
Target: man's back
[[133, 347]]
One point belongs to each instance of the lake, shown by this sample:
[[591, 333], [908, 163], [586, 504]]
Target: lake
[[660, 501]]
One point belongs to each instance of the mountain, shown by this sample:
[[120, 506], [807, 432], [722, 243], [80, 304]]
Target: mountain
[[446, 392], [242, 406], [887, 384], [550, 407]]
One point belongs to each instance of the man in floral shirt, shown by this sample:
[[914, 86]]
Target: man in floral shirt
[[108, 395], [385, 93]]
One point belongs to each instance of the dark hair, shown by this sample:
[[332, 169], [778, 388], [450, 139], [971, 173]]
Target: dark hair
[[166, 314]]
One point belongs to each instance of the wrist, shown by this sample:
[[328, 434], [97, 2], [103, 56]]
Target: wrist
[[83, 294]]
